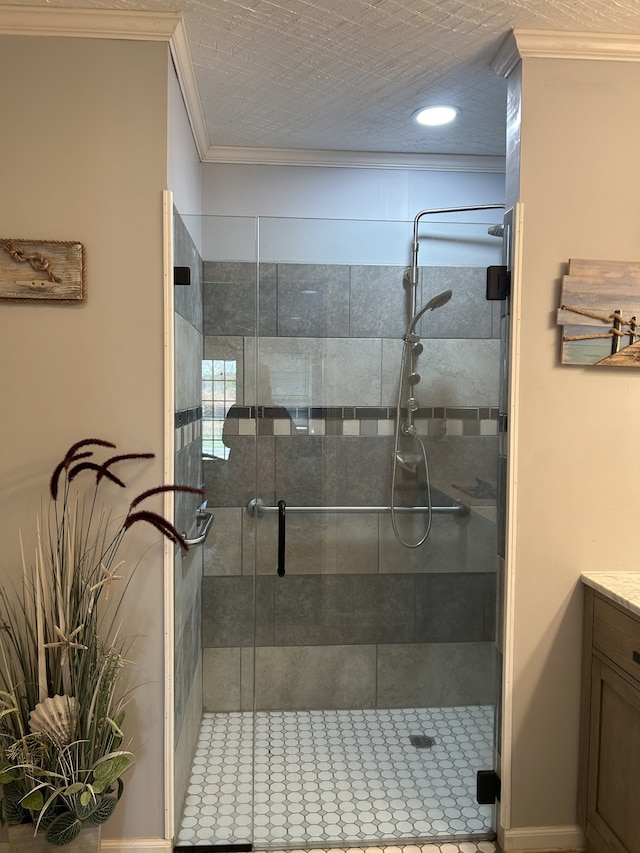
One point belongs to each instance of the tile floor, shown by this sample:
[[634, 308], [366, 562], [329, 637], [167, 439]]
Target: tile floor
[[340, 778]]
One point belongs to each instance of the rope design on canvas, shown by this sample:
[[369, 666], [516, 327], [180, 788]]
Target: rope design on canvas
[[38, 261], [616, 318]]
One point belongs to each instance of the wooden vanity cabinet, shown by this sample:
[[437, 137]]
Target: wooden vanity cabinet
[[609, 797]]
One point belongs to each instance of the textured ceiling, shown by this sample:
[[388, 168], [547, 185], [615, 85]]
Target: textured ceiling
[[347, 74]]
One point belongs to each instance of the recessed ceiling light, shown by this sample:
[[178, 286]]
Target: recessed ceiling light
[[436, 115]]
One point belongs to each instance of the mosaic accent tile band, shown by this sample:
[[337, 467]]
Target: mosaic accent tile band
[[359, 420], [363, 412], [187, 426]]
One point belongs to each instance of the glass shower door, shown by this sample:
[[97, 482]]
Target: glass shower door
[[216, 606], [374, 667], [348, 681]]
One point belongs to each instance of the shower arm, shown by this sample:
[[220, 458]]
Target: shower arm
[[413, 275]]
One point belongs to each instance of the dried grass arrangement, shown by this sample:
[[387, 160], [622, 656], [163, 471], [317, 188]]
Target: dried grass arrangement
[[62, 698]]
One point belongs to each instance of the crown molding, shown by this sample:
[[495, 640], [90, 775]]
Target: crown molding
[[556, 44], [353, 159], [88, 23], [183, 64]]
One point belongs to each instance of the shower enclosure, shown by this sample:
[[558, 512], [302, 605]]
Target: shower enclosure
[[337, 688]]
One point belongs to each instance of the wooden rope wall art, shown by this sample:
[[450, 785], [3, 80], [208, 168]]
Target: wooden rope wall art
[[600, 303], [42, 270]]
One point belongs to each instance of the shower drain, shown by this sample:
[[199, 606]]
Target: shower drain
[[422, 741]]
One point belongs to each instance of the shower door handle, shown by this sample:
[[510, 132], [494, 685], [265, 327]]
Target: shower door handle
[[282, 525]]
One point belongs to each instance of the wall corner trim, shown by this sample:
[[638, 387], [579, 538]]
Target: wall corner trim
[[557, 44], [88, 23], [541, 838]]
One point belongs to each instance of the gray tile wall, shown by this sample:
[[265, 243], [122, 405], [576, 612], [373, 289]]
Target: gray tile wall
[[336, 300], [358, 620], [189, 347], [324, 677], [188, 322], [348, 609], [307, 470]]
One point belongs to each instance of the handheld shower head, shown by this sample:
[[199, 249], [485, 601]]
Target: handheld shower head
[[435, 302]]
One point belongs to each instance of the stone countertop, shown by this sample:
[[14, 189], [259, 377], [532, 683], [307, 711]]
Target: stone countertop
[[621, 587]]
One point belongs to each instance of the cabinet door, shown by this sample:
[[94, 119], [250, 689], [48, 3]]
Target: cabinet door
[[613, 802]]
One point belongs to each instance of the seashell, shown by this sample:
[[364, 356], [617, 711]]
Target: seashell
[[56, 717]]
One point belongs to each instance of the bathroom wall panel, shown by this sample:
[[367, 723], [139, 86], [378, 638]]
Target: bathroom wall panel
[[188, 350], [467, 315], [189, 733], [303, 470], [221, 678], [228, 611], [328, 610], [338, 300], [462, 460], [363, 470], [187, 657], [458, 372], [313, 371], [306, 677], [292, 678], [223, 547], [230, 298], [317, 543], [188, 301], [432, 675], [188, 363], [453, 371], [455, 544], [231, 483], [313, 300], [348, 609], [379, 302], [454, 608]]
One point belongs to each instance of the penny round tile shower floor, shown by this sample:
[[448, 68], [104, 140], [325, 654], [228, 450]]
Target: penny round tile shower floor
[[308, 779]]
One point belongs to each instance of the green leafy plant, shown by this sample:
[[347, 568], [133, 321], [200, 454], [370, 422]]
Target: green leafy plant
[[62, 698]]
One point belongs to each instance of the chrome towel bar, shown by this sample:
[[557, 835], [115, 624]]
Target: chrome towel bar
[[205, 520], [257, 507]]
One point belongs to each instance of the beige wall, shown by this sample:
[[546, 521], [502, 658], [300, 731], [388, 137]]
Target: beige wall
[[578, 428], [83, 156]]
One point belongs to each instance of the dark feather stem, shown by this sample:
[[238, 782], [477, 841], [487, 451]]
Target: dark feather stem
[[165, 527], [93, 466], [74, 447], [123, 456], [53, 485], [72, 473], [158, 490]]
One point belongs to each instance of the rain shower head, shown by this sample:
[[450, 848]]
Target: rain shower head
[[435, 302]]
